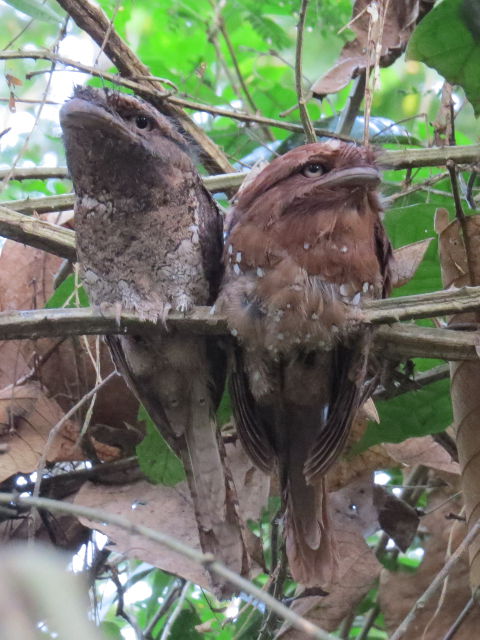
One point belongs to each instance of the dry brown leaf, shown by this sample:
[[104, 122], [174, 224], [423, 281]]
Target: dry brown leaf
[[26, 418], [397, 518], [26, 275], [169, 510], [400, 590], [60, 530], [26, 282], [400, 21], [411, 452], [165, 509], [459, 247], [423, 451], [407, 260], [13, 81], [443, 133]]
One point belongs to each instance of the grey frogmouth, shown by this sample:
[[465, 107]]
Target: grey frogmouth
[[149, 239]]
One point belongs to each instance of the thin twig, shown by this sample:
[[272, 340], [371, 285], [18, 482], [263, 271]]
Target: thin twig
[[410, 493], [304, 115], [436, 583], [469, 194], [158, 95], [26, 142], [279, 576], [223, 30], [39, 362], [35, 173], [55, 430], [347, 119], [167, 629], [19, 34], [93, 21], [462, 220], [168, 600], [452, 170], [417, 186], [346, 625], [369, 620], [422, 379], [452, 632], [203, 559], [107, 33], [121, 605]]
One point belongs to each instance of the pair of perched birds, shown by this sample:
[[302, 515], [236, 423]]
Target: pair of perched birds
[[303, 245]]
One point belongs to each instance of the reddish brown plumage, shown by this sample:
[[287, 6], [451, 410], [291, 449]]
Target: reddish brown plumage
[[305, 244]]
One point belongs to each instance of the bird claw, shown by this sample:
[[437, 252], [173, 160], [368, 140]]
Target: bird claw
[[107, 309], [183, 303]]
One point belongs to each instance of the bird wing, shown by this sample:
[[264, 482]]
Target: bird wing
[[251, 428]]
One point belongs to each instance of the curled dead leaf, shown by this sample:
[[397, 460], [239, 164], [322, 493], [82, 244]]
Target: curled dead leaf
[[170, 510], [27, 416], [400, 590], [66, 368], [407, 259], [400, 20]]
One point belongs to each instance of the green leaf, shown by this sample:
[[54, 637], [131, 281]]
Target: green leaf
[[224, 411], [184, 626], [410, 221], [269, 30], [448, 39], [66, 297], [111, 630], [35, 9], [413, 414], [157, 461]]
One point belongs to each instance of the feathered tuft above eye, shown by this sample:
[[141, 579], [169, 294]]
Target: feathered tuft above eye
[[313, 170], [143, 122]]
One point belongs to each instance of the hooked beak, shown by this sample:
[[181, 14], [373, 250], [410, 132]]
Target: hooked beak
[[352, 177]]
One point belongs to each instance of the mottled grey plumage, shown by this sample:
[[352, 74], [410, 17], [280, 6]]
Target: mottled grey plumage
[[149, 240]]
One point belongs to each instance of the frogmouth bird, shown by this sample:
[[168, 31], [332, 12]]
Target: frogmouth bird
[[149, 239], [305, 245]]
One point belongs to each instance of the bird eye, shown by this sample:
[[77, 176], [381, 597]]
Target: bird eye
[[313, 170], [143, 122]]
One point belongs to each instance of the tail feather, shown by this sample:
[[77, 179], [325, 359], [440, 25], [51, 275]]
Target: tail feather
[[167, 374], [212, 487], [310, 545]]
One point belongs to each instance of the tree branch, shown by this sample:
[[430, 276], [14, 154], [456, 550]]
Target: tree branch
[[220, 182], [401, 341], [44, 204], [431, 157], [397, 341], [203, 559], [424, 305], [304, 115], [34, 173], [94, 22], [158, 95], [37, 233]]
